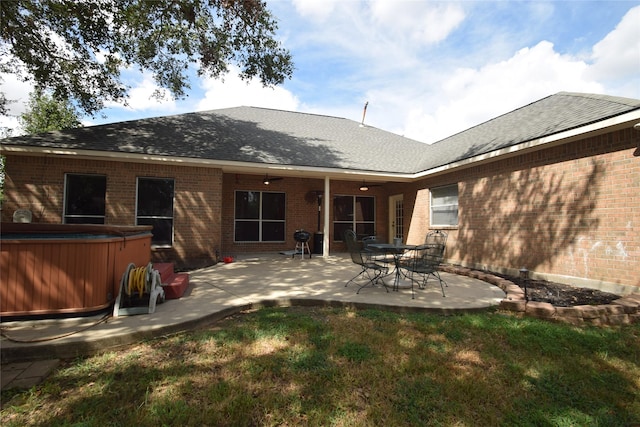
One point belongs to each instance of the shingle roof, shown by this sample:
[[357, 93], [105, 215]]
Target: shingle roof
[[246, 134], [265, 136], [545, 117]]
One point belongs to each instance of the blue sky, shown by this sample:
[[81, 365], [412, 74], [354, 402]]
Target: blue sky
[[427, 69]]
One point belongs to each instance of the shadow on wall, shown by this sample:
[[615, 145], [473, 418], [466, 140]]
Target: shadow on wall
[[40, 198], [198, 135], [529, 217], [197, 223]]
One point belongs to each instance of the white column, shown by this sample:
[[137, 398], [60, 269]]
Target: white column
[[325, 209]]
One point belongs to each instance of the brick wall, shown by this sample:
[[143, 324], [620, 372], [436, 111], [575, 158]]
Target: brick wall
[[37, 183], [572, 210], [302, 209]]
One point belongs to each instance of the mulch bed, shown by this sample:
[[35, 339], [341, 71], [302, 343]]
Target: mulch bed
[[561, 295]]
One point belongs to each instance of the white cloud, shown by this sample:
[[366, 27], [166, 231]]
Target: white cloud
[[17, 91], [427, 69], [141, 96], [429, 106], [11, 125], [472, 96], [420, 22], [617, 56], [420, 83], [316, 10], [375, 34], [17, 94], [233, 92]]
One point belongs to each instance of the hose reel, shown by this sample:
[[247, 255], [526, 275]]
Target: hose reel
[[140, 291]]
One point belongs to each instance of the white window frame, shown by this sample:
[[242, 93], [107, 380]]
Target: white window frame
[[441, 200]]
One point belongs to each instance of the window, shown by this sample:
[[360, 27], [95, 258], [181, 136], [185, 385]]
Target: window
[[444, 206], [154, 206], [353, 213], [259, 216], [84, 197]]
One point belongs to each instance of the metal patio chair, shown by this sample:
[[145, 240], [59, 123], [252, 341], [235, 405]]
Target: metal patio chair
[[425, 262], [436, 237], [370, 270]]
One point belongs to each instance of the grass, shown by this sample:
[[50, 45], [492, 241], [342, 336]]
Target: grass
[[328, 366]]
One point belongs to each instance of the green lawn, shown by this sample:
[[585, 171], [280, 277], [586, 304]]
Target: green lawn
[[328, 366]]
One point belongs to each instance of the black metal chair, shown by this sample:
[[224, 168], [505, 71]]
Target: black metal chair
[[369, 240], [370, 269], [436, 237], [425, 262]]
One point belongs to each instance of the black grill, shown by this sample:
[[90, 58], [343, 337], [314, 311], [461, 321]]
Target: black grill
[[302, 236]]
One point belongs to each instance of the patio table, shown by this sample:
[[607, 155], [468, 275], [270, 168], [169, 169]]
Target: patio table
[[397, 251]]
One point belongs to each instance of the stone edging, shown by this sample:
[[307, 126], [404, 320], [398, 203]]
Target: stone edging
[[623, 311]]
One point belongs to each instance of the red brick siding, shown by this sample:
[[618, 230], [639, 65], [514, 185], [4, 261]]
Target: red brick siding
[[572, 210], [37, 183], [301, 210]]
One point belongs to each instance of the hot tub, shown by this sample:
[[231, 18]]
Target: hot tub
[[66, 269]]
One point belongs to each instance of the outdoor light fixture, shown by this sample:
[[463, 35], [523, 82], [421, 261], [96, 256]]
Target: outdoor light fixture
[[366, 187], [267, 180]]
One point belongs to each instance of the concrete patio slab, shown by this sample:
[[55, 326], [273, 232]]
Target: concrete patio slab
[[218, 291]]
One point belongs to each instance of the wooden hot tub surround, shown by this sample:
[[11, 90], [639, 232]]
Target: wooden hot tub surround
[[59, 269]]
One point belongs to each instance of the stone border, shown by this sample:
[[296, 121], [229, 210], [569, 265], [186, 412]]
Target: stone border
[[623, 311]]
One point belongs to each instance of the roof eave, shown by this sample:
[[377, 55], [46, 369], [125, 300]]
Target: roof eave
[[227, 166], [628, 119]]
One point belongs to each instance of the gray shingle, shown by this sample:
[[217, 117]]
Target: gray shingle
[[244, 134], [548, 116], [265, 136]]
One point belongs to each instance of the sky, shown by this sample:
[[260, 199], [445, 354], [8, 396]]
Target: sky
[[427, 70]]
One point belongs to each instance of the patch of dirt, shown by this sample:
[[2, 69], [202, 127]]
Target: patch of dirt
[[561, 295]]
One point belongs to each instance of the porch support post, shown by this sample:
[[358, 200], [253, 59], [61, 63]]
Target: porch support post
[[325, 210]]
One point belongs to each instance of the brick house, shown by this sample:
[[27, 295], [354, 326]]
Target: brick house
[[553, 186]]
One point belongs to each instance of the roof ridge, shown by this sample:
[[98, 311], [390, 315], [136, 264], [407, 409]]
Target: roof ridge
[[602, 97], [276, 110]]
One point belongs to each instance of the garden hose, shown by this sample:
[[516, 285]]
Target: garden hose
[[137, 281]]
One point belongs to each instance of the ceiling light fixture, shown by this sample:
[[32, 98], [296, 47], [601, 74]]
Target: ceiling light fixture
[[364, 187], [268, 180]]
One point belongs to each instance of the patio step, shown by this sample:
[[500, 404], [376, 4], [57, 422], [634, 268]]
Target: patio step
[[174, 284]]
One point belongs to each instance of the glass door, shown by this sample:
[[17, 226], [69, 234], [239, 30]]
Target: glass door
[[396, 215]]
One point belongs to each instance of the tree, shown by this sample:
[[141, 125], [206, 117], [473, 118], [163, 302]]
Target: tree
[[5, 132], [45, 114], [77, 49]]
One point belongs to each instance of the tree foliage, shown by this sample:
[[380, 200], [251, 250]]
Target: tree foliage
[[77, 49], [45, 114]]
